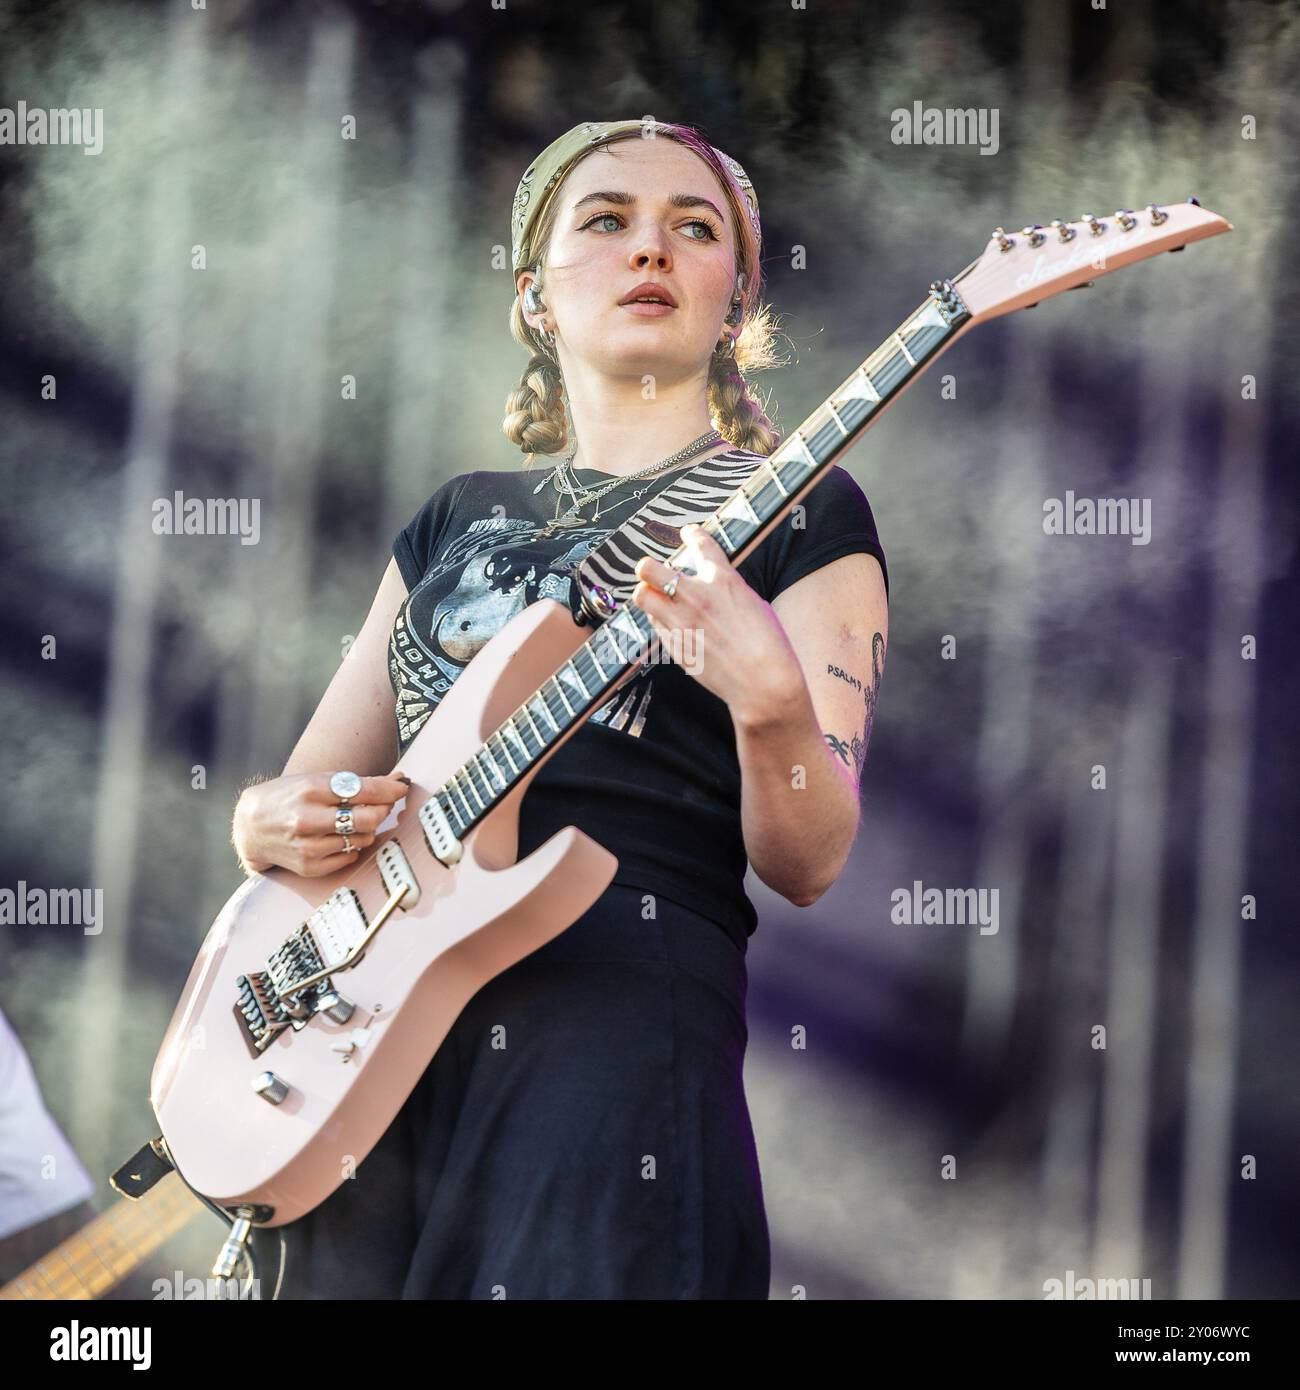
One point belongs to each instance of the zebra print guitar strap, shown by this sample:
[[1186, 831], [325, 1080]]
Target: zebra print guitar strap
[[656, 529]]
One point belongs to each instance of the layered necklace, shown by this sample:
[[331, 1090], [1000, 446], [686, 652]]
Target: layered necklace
[[564, 479]]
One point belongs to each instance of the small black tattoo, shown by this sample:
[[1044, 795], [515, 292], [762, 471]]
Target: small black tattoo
[[856, 747]]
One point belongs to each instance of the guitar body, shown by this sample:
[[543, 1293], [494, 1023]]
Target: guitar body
[[471, 921]]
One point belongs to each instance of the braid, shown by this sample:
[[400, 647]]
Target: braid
[[739, 415], [535, 419]]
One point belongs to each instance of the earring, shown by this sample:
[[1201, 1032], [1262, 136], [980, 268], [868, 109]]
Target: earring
[[533, 304], [727, 343], [736, 312]]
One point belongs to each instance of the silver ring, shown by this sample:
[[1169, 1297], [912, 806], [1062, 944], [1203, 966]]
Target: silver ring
[[343, 822], [350, 847], [345, 785], [670, 589]]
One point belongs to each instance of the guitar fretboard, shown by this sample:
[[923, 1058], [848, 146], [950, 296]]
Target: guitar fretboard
[[108, 1248], [582, 684]]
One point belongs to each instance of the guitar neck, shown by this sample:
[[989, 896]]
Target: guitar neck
[[107, 1249], [806, 455], [615, 650]]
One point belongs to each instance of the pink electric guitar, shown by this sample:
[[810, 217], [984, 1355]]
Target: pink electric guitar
[[315, 1004]]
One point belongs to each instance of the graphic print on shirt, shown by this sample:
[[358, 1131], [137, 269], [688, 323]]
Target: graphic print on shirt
[[481, 579]]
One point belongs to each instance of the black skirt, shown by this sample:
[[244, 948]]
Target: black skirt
[[581, 1133]]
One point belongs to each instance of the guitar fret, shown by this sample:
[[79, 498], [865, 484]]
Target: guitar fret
[[514, 729], [482, 766], [570, 670], [94, 1250], [873, 394], [613, 652], [505, 747], [903, 346], [76, 1277], [522, 727], [546, 709], [73, 1277], [705, 526], [796, 468], [532, 724], [452, 787], [844, 430], [118, 1260], [476, 785], [463, 773], [458, 822], [590, 681], [549, 701], [486, 752], [479, 777], [564, 699], [69, 1279], [892, 371], [775, 476], [738, 508], [604, 678]]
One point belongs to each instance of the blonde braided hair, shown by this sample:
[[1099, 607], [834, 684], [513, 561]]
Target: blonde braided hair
[[536, 420]]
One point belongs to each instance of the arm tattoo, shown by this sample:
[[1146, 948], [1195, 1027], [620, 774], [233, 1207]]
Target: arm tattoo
[[856, 747]]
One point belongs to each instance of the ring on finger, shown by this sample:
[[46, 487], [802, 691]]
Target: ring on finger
[[345, 785], [343, 822], [350, 847], [669, 590]]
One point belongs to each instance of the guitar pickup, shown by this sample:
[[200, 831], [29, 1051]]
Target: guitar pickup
[[336, 926], [395, 869], [443, 844]]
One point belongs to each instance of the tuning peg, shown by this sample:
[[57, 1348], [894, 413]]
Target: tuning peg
[[1095, 227], [1034, 232], [1125, 219], [1063, 229], [1194, 200], [1157, 216], [1003, 240]]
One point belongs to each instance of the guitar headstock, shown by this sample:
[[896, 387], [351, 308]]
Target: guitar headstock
[[1020, 268]]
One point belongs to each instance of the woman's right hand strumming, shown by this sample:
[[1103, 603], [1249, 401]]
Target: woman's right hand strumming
[[289, 822]]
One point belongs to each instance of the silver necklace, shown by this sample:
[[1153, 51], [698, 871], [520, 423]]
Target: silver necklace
[[564, 479]]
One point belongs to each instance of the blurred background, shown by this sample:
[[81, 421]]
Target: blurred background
[[180, 312]]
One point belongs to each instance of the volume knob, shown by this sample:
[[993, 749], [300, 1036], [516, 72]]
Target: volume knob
[[270, 1087]]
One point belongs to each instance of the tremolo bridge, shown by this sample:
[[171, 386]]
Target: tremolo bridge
[[296, 984]]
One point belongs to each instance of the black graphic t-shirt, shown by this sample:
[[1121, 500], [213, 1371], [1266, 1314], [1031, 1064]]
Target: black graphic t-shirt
[[653, 774]]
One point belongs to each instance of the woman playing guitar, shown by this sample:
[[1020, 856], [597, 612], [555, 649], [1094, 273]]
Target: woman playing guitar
[[583, 1131]]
